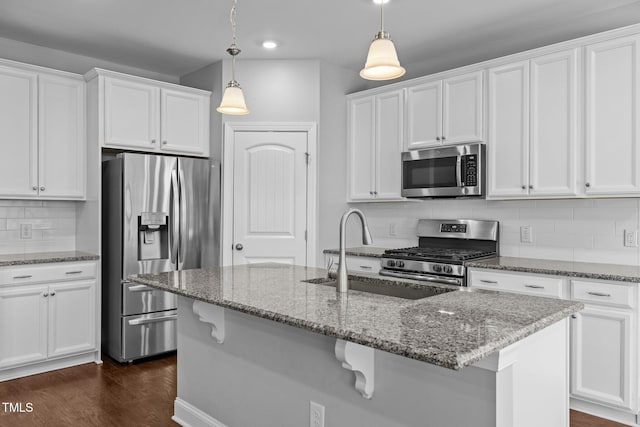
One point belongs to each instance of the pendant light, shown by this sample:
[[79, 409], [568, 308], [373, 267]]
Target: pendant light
[[382, 60], [233, 98]]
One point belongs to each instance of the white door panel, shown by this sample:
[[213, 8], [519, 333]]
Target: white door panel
[[389, 142], [424, 115], [184, 122], [462, 109], [71, 317], [270, 197], [361, 148]]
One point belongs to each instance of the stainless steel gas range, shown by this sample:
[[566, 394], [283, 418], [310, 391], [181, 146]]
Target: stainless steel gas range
[[443, 247]]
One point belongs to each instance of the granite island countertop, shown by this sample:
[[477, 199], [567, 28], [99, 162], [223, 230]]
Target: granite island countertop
[[588, 270], [365, 251], [45, 257], [452, 329]]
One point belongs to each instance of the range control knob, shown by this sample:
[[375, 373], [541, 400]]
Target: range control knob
[[447, 269], [391, 263], [437, 268], [400, 263]]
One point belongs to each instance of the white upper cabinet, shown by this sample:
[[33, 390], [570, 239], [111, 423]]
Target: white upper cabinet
[[184, 122], [132, 112], [18, 133], [508, 144], [42, 134], [62, 142], [135, 113], [375, 147], [612, 117], [445, 111], [533, 122]]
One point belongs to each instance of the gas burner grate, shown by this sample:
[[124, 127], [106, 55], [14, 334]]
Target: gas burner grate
[[457, 254]]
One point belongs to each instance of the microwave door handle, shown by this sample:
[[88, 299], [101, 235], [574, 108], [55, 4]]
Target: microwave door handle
[[459, 171]]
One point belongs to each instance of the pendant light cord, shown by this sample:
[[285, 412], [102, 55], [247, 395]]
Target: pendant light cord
[[232, 19], [382, 16]]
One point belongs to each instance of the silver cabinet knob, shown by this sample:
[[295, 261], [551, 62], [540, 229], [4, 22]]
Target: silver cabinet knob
[[437, 138], [164, 142], [531, 187], [587, 185], [524, 187], [239, 247], [371, 193], [53, 294], [41, 188], [375, 193], [443, 138], [35, 187], [153, 141], [46, 294], [573, 316]]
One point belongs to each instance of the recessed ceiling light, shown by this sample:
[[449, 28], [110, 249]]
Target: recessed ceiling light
[[381, 1], [270, 44]]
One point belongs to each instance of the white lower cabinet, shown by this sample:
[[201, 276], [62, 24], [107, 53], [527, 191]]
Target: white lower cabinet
[[46, 322], [604, 335]]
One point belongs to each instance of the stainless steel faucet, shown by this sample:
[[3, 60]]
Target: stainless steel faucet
[[343, 276]]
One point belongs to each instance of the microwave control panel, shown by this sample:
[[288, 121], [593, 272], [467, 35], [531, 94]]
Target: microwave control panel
[[470, 170]]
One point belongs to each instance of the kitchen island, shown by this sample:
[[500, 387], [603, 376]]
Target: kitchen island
[[258, 343]]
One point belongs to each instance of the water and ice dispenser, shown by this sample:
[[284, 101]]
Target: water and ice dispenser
[[153, 236]]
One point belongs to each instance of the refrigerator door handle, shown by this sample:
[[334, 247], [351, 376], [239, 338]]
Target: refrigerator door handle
[[183, 218], [174, 217]]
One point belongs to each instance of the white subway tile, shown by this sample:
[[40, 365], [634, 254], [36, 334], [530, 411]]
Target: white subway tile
[[11, 247], [579, 226], [499, 214], [616, 203], [510, 204], [563, 240], [546, 213], [541, 252], [32, 246], [509, 250], [66, 212], [3, 224], [20, 203], [37, 223], [11, 212], [606, 256], [603, 213], [564, 203]]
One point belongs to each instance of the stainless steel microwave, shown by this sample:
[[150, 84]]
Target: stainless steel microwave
[[454, 171]]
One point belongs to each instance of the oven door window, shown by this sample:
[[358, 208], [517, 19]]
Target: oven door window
[[430, 173]]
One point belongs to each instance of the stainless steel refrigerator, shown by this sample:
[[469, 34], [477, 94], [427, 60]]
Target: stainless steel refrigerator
[[159, 214]]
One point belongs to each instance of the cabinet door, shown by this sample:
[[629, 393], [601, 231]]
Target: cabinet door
[[18, 133], [612, 115], [72, 317], [361, 156], [131, 115], [508, 145], [554, 124], [601, 348], [424, 115], [462, 107], [23, 325], [389, 115], [184, 122], [62, 141]]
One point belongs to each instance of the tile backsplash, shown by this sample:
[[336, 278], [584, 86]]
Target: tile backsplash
[[53, 226], [570, 230]]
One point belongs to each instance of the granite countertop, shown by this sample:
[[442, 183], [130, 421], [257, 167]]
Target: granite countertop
[[367, 251], [452, 329], [621, 273], [45, 257]]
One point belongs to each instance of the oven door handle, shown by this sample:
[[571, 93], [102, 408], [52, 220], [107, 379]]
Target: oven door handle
[[423, 277], [459, 171]]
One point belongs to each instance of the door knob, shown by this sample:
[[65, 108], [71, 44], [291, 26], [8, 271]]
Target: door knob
[[239, 247]]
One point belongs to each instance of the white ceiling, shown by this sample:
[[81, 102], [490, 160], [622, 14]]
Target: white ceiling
[[176, 37]]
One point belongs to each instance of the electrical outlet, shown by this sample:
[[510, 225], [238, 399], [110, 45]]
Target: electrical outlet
[[631, 238], [526, 234], [316, 414], [25, 231], [392, 229]]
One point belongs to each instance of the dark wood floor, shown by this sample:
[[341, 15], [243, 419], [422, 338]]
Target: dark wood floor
[[137, 395]]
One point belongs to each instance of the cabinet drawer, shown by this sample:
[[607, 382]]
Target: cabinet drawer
[[356, 263], [520, 283], [47, 272], [614, 294]]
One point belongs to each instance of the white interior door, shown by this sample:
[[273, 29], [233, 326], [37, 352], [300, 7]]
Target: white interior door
[[270, 197]]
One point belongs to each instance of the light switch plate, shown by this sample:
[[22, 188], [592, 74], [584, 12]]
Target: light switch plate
[[26, 231], [631, 238], [526, 234]]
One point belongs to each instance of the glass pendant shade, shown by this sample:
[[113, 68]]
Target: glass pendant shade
[[382, 60], [233, 101]]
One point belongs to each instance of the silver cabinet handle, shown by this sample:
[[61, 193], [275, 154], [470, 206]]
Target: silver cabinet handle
[[534, 286], [493, 282], [153, 141], [26, 276], [366, 267], [41, 188], [239, 247], [164, 142], [587, 185], [599, 294], [74, 272], [137, 322], [425, 277], [140, 288]]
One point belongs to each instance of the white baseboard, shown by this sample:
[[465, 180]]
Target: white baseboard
[[605, 412], [188, 415], [47, 365]]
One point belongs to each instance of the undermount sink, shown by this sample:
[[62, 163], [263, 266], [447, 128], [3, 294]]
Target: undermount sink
[[385, 287]]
